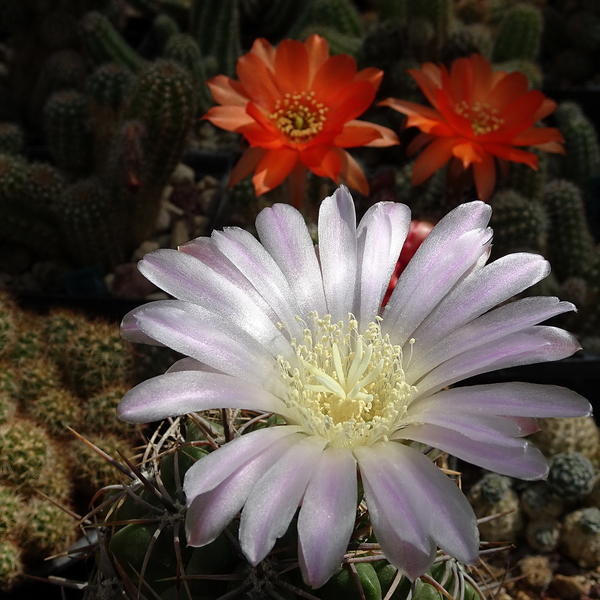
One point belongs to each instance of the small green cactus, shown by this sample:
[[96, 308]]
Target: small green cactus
[[571, 475], [164, 28], [11, 563], [581, 536], [56, 409], [37, 375], [12, 513], [49, 529], [578, 434], [339, 15], [106, 44], [543, 535], [519, 34], [538, 502], [100, 414], [527, 181]]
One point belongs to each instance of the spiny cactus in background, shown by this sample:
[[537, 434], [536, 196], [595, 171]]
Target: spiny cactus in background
[[582, 152], [393, 10], [68, 132], [162, 100], [437, 13], [543, 535], [49, 529], [571, 250], [581, 536], [100, 414], [56, 409], [534, 74], [571, 475], [25, 219], [164, 28], [519, 34], [183, 49], [539, 503], [519, 224], [464, 40], [339, 15], [11, 563], [12, 139], [527, 181], [106, 88], [105, 44], [339, 43], [215, 25], [491, 495], [90, 231]]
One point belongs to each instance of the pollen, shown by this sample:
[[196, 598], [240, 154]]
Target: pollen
[[299, 116], [484, 118], [346, 387]]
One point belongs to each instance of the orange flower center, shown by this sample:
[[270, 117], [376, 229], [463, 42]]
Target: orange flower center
[[484, 119], [299, 116]]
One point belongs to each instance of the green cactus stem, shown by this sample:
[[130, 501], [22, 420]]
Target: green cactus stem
[[339, 15], [519, 34]]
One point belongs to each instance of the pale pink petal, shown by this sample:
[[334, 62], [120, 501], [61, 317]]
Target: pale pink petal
[[328, 512], [274, 499], [337, 252], [184, 392], [283, 233]]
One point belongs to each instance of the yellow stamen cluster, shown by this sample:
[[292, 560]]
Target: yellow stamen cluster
[[484, 118], [348, 387], [299, 116]]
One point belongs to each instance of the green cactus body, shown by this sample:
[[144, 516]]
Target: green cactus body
[[464, 40], [91, 234], [12, 508], [49, 529], [183, 49], [11, 563], [37, 375], [581, 536], [339, 43], [340, 15], [42, 190], [58, 327], [491, 495], [8, 407], [571, 246], [528, 182], [163, 102], [519, 34], [68, 132], [164, 28], [106, 44], [582, 151], [215, 24], [11, 138], [100, 414], [56, 409], [571, 475], [519, 224]]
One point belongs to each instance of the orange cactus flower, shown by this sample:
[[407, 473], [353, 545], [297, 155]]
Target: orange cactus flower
[[477, 114], [297, 107]]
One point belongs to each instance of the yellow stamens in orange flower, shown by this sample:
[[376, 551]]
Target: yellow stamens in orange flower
[[483, 117], [299, 116]]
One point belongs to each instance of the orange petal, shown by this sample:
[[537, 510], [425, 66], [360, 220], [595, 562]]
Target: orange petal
[[265, 51], [322, 161], [484, 173], [362, 133], [230, 118], [370, 74], [411, 108], [433, 157], [297, 180], [522, 109], [227, 91], [352, 174], [537, 135], [428, 84], [355, 100], [513, 154], [482, 77], [317, 49], [461, 80], [258, 80], [418, 142], [507, 90], [291, 66], [548, 107], [468, 153], [459, 124], [247, 163], [274, 167], [551, 147], [257, 135], [335, 75]]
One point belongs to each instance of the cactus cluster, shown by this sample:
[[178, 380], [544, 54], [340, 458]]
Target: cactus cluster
[[52, 367]]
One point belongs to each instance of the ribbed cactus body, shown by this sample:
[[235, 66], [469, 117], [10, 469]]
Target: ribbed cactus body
[[68, 132], [106, 44], [184, 50], [571, 475], [519, 34], [90, 235], [215, 24], [570, 248], [527, 181], [582, 151], [164, 28], [519, 224], [339, 43], [340, 15], [162, 101]]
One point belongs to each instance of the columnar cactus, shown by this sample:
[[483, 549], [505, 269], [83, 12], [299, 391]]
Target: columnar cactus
[[340, 15], [519, 34]]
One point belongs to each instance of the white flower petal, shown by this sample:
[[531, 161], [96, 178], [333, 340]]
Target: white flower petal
[[328, 512], [184, 392], [283, 233], [274, 500], [337, 252], [381, 234]]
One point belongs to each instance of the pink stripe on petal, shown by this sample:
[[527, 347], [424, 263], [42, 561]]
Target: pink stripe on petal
[[509, 456], [327, 515], [275, 498]]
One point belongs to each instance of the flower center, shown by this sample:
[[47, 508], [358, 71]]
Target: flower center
[[484, 118], [348, 388], [299, 116]]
